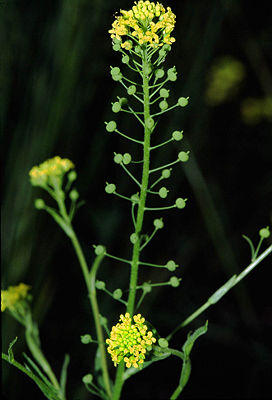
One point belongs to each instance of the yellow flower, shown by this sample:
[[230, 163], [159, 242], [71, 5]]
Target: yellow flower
[[13, 295], [51, 169], [147, 23], [130, 341]]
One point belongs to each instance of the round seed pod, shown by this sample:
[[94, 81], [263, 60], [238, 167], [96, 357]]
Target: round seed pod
[[183, 156], [163, 343], [116, 107], [74, 195], [131, 89], [163, 105], [174, 281], [110, 188], [159, 73], [264, 232], [125, 59], [111, 126], [100, 250], [166, 173], [180, 203], [133, 238], [100, 285], [158, 223], [150, 122], [117, 294], [177, 135], [39, 204], [118, 158], [171, 265], [164, 93], [163, 192], [183, 101], [126, 158]]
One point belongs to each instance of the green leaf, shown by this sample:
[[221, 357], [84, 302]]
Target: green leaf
[[35, 368], [63, 375], [187, 348], [10, 352], [250, 244], [191, 338]]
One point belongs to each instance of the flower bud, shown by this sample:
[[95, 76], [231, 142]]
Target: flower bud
[[72, 176], [74, 195], [39, 204]]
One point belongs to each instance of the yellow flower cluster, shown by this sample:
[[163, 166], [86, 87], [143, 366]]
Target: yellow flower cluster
[[130, 342], [53, 168], [14, 294], [146, 23]]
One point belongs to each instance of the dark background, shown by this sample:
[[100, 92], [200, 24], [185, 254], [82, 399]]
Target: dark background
[[56, 93]]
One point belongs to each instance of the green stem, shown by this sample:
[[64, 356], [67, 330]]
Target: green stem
[[222, 291], [139, 218], [90, 283]]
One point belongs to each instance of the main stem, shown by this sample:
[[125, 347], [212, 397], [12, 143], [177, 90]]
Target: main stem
[[140, 216]]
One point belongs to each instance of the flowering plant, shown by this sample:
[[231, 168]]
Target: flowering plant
[[143, 37]]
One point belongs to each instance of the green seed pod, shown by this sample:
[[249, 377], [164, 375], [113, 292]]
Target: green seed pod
[[131, 89], [183, 101], [39, 204], [183, 156], [117, 294], [115, 71], [100, 285], [158, 223], [159, 73], [166, 47], [180, 203], [138, 49], [164, 93], [74, 195], [72, 176], [163, 192], [166, 173], [100, 250], [264, 232], [118, 158], [162, 53], [123, 101], [147, 287], [87, 379], [172, 74], [135, 198], [163, 343], [150, 122], [147, 69], [126, 158], [116, 107], [163, 105], [174, 281], [86, 339], [117, 77], [116, 47], [133, 238], [171, 265], [125, 59], [177, 135], [111, 126], [110, 188]]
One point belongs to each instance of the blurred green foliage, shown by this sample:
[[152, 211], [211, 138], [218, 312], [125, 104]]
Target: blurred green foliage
[[56, 92]]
